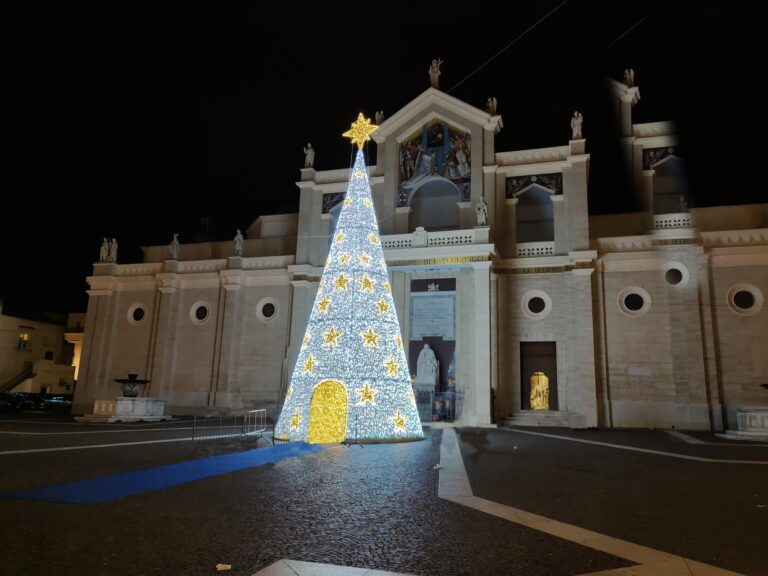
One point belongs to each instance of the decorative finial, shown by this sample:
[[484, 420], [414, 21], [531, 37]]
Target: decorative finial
[[360, 131]]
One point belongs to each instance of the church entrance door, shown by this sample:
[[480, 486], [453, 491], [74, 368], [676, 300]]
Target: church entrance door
[[328, 414]]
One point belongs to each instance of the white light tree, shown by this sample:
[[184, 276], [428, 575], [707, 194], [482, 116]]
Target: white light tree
[[351, 380]]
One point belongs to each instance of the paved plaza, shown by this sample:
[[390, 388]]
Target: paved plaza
[[463, 501]]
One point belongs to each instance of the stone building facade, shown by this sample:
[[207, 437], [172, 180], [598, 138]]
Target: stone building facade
[[647, 319]]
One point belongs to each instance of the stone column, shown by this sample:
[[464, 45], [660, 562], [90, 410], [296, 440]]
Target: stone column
[[225, 381], [164, 341], [580, 350], [480, 404]]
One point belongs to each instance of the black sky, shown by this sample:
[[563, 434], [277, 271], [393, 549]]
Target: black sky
[[136, 122]]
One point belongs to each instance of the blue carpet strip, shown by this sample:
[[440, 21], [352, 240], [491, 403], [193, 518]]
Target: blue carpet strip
[[107, 488]]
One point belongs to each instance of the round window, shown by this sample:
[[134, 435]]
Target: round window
[[200, 312], [745, 299], [137, 313], [673, 276], [267, 309], [536, 304], [634, 301]]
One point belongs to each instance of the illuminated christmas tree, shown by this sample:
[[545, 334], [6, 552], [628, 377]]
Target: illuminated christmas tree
[[351, 380]]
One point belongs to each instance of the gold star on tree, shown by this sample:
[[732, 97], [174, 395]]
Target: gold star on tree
[[365, 260], [295, 419], [344, 259], [359, 173], [399, 342], [309, 364], [348, 202], [399, 422], [307, 338], [392, 366], [341, 282], [331, 337], [411, 395], [339, 237], [322, 306], [367, 394], [366, 284], [370, 338], [289, 393], [373, 239], [387, 287], [383, 307], [367, 202], [360, 131]]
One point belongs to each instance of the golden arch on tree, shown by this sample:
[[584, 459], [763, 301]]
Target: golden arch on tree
[[328, 414]]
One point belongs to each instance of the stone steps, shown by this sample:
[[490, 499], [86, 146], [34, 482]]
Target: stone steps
[[536, 418]]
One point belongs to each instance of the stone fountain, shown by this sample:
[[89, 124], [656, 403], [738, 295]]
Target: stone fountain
[[129, 407]]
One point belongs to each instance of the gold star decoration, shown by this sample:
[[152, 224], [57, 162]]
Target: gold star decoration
[[322, 306], [411, 395], [399, 342], [344, 259], [358, 174], [367, 202], [289, 393], [307, 338], [331, 337], [392, 366], [309, 364], [387, 287], [365, 260], [373, 239], [348, 202], [399, 421], [383, 307], [370, 338], [366, 284], [341, 282], [295, 419], [367, 395], [339, 237], [360, 131]]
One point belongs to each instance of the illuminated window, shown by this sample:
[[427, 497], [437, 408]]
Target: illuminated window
[[23, 340]]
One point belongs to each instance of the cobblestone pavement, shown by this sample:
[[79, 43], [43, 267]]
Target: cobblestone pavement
[[374, 506], [713, 512]]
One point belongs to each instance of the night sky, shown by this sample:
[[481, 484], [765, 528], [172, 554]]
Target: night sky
[[137, 122]]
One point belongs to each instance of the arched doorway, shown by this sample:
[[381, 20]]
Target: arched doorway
[[434, 205], [328, 414]]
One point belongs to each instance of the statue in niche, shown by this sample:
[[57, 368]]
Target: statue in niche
[[427, 366], [434, 73], [104, 252], [173, 248], [481, 212], [238, 243], [539, 391], [576, 123], [309, 156]]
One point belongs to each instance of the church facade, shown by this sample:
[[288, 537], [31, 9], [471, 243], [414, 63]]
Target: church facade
[[537, 313]]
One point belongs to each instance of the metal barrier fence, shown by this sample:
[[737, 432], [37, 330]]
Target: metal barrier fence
[[253, 422]]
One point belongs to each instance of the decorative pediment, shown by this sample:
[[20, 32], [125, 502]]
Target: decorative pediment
[[433, 104]]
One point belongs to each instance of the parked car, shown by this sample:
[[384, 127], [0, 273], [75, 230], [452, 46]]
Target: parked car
[[56, 403], [19, 401]]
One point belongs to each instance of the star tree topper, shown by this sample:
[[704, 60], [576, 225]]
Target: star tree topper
[[360, 131]]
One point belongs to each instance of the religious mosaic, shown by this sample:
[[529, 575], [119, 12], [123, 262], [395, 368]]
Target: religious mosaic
[[652, 156], [515, 185], [436, 151]]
